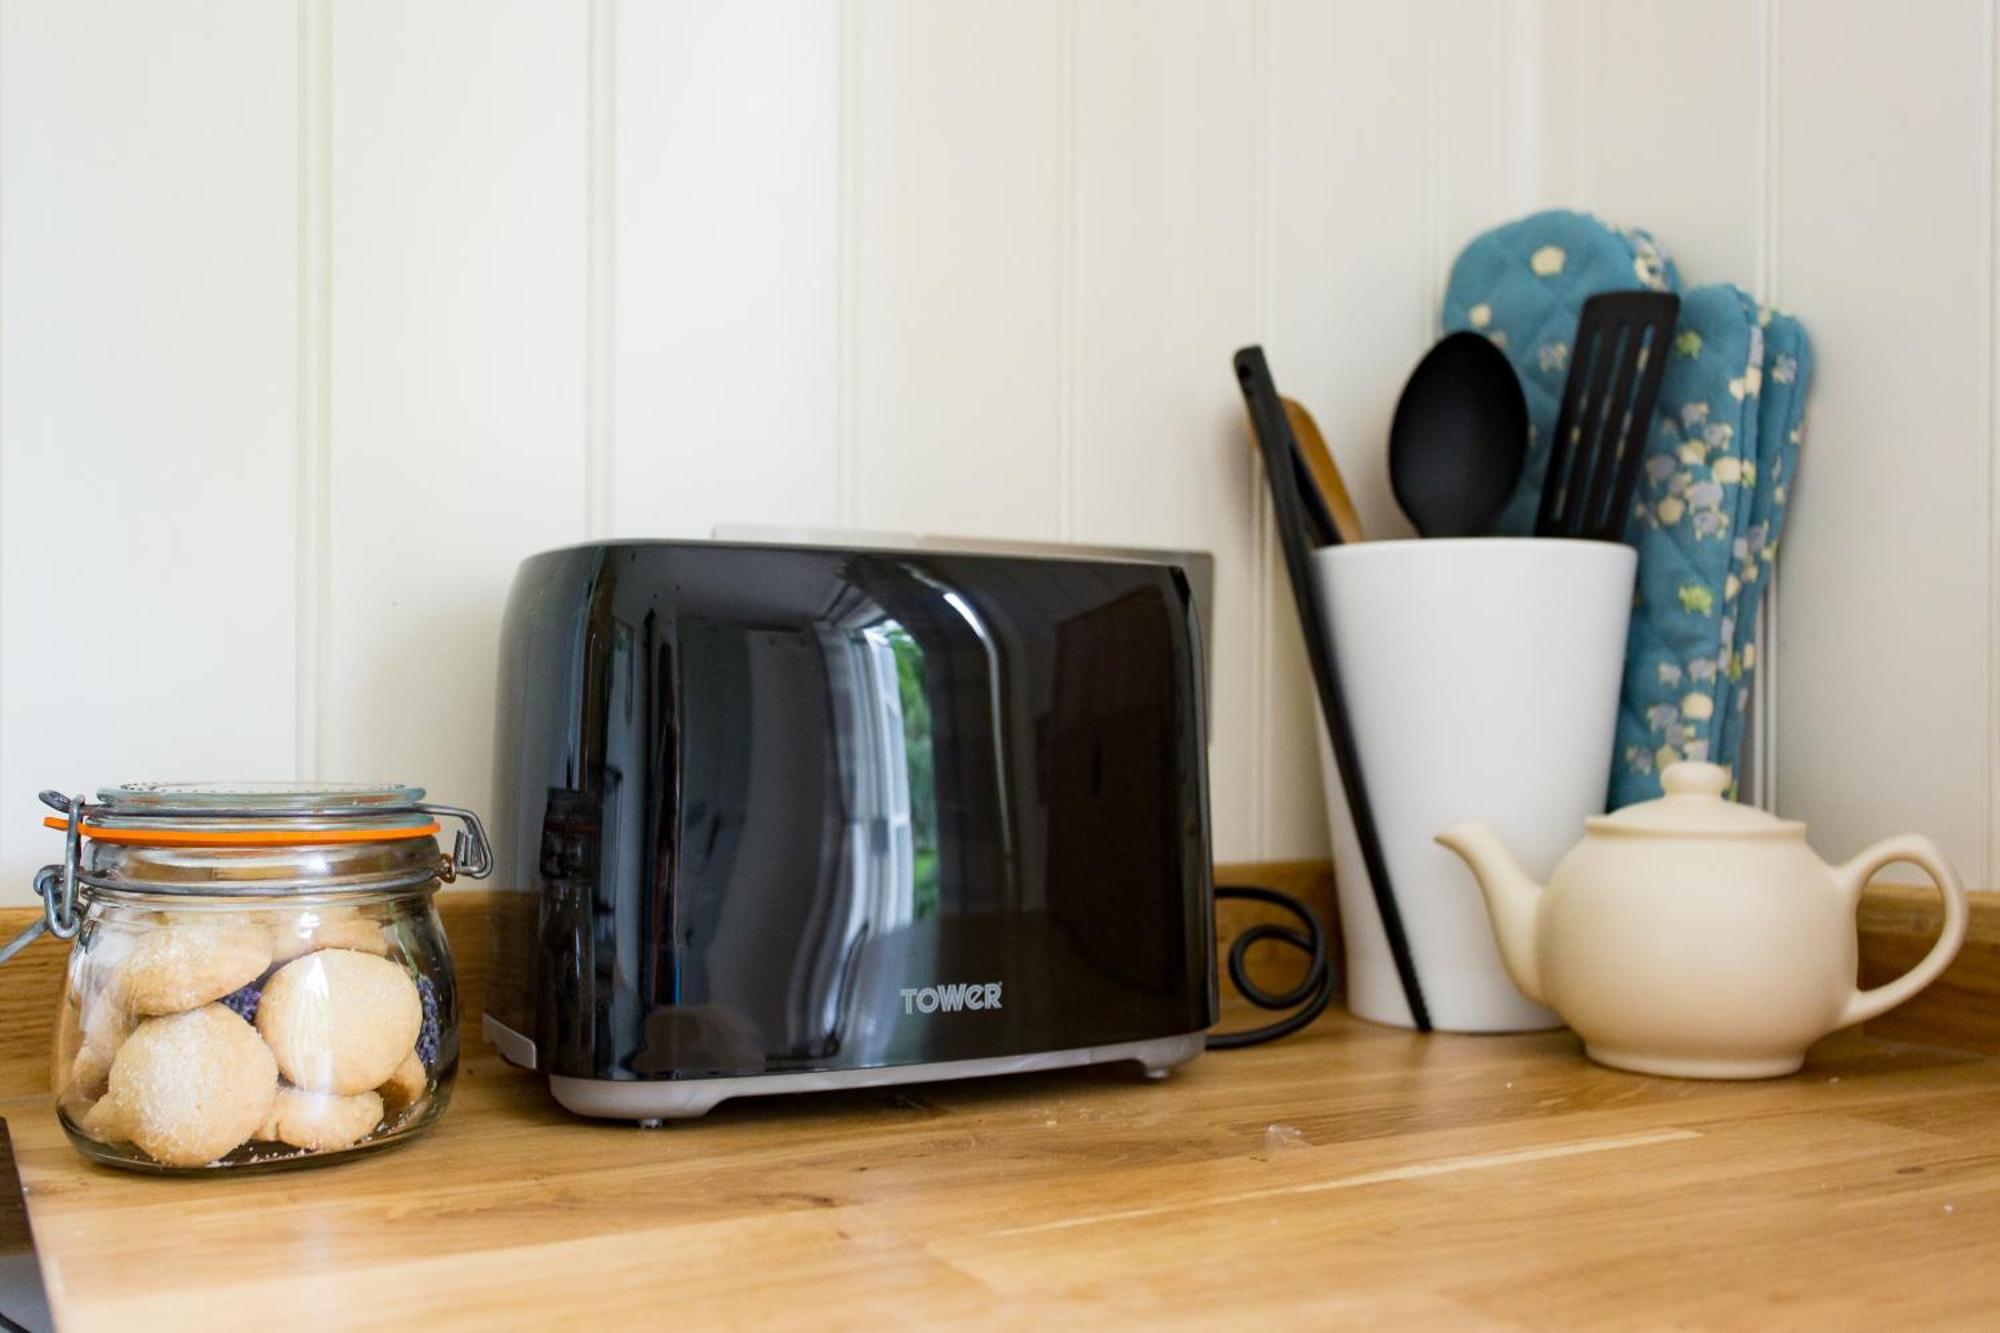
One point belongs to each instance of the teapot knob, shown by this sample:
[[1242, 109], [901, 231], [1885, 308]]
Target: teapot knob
[[1688, 778]]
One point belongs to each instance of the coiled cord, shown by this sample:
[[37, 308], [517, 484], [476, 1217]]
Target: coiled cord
[[1314, 993]]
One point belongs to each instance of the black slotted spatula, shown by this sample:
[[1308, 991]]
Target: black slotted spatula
[[1616, 361]]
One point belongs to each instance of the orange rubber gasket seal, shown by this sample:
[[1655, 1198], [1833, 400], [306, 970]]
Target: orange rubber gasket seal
[[240, 837]]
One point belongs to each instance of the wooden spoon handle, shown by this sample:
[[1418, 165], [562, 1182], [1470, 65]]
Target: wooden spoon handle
[[1325, 472]]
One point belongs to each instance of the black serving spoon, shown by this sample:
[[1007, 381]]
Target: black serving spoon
[[1459, 439]]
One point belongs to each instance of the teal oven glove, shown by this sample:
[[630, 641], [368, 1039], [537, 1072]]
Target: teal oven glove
[[1696, 485], [1781, 406], [1719, 460]]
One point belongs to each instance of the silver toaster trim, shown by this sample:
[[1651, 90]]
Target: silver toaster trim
[[654, 1101]]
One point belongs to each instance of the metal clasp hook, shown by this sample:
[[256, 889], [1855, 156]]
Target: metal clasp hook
[[55, 885], [471, 852]]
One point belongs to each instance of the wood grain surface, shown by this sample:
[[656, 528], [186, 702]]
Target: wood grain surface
[[1897, 923], [31, 984], [1962, 1008], [1352, 1175]]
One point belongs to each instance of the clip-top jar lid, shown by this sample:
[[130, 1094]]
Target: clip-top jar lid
[[261, 797], [245, 839], [255, 814]]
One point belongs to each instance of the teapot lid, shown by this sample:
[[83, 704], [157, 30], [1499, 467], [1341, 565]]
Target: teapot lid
[[1694, 804]]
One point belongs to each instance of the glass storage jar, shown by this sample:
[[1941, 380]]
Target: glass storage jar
[[258, 975]]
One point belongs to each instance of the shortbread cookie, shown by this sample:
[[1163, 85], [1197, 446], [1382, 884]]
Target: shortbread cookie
[[101, 1121], [105, 1022], [406, 1086], [90, 1073], [189, 961], [75, 1105], [102, 952], [340, 1021], [102, 1030], [190, 1087], [321, 1121], [298, 932]]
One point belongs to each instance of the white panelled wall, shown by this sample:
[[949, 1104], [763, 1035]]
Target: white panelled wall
[[315, 319], [1837, 157]]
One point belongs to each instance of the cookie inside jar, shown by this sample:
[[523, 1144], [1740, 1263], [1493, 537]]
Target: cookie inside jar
[[259, 979]]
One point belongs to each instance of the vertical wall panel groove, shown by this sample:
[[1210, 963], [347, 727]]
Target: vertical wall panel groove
[[8, 860], [1589, 90], [1524, 105], [600, 430], [1888, 582], [1771, 53], [1992, 298], [849, 211], [1769, 761], [459, 404], [149, 251], [1764, 756], [720, 388], [1478, 136], [1562, 58], [1071, 76], [1167, 286], [1263, 538], [1436, 92], [1343, 97], [958, 255], [315, 336], [1687, 168]]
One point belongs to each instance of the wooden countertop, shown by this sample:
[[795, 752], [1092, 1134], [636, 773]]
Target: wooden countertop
[[1349, 1174]]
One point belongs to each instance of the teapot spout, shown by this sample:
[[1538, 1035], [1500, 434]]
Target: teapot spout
[[1512, 899]]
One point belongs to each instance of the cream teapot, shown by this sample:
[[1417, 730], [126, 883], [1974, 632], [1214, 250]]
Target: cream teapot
[[1697, 937]]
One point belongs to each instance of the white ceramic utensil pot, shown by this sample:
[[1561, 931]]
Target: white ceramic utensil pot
[[1481, 677]]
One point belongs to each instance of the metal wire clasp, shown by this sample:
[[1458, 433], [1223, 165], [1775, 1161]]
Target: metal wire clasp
[[471, 852], [55, 885]]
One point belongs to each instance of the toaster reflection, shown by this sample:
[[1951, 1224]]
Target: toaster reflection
[[798, 784]]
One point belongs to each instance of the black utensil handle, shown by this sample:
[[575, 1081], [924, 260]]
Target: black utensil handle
[[1282, 466], [1321, 528], [1562, 440], [1665, 314], [1615, 428], [1589, 430]]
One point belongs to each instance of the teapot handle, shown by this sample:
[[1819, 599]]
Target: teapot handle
[[1854, 876]]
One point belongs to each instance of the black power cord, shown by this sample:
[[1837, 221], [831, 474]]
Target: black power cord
[[1314, 993]]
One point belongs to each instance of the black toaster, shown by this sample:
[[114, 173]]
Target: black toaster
[[786, 818]]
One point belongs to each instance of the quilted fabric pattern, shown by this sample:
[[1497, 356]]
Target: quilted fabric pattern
[[1695, 493], [1784, 384], [1719, 463], [1522, 285]]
